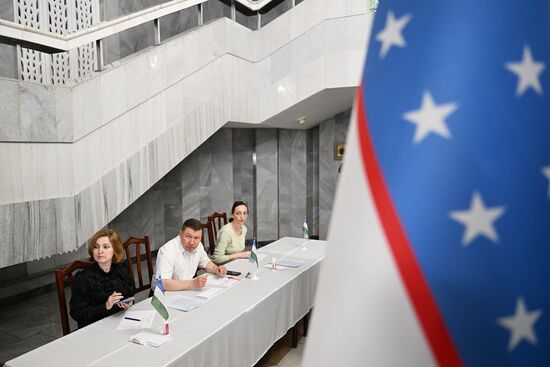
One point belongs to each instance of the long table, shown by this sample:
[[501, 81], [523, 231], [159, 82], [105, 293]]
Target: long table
[[235, 328]]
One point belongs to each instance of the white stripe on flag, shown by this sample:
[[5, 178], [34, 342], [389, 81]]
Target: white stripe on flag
[[363, 316]]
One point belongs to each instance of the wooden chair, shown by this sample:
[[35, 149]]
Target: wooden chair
[[211, 242], [60, 275], [137, 242], [215, 222]]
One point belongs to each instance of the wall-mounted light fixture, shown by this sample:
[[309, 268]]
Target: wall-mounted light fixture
[[339, 149]]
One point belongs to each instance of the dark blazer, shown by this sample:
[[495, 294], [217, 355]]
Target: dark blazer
[[92, 288]]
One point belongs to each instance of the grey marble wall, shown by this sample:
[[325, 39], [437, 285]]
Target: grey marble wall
[[8, 54], [267, 174], [214, 9], [331, 131], [133, 40], [292, 181], [274, 9], [243, 173], [245, 16], [313, 219]]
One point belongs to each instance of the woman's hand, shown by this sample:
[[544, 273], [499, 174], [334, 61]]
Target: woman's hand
[[125, 305], [113, 298], [245, 254]]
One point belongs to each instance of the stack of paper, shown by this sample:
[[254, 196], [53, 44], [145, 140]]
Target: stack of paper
[[149, 338]]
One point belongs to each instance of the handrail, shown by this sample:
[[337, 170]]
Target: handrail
[[13, 33]]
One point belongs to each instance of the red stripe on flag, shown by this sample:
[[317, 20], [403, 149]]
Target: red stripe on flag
[[419, 293]]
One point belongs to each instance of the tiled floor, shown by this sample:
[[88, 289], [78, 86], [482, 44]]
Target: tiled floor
[[30, 324]]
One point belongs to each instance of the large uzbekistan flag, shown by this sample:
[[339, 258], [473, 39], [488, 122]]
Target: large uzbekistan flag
[[440, 235]]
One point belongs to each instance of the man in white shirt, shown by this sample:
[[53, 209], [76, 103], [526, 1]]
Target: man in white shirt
[[179, 259]]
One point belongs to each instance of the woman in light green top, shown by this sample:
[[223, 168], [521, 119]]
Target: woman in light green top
[[231, 237]]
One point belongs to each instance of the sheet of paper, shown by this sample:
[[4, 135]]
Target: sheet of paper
[[224, 282], [209, 293], [149, 338], [183, 303], [290, 262], [136, 320]]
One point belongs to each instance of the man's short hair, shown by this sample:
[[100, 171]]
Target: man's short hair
[[192, 223]]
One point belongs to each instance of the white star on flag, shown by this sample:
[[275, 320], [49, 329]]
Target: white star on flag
[[430, 118], [391, 34], [478, 220], [520, 324], [546, 172], [527, 71]]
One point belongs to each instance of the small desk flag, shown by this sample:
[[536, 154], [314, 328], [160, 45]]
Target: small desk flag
[[305, 230], [253, 257], [155, 301]]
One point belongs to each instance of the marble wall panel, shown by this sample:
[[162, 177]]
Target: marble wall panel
[[245, 16], [214, 9], [172, 196], [270, 12], [179, 22], [8, 54], [243, 174], [327, 173], [285, 182], [8, 61], [145, 217], [10, 121], [191, 203], [298, 188], [37, 103], [309, 181], [314, 230], [267, 211]]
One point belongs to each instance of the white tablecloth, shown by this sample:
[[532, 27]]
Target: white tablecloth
[[235, 328]]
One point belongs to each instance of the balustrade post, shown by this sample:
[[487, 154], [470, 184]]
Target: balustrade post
[[156, 22], [201, 17], [99, 54]]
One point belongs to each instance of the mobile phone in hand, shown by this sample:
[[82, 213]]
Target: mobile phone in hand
[[125, 300]]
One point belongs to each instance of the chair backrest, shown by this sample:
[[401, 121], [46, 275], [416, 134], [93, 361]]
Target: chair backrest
[[211, 244], [216, 221], [60, 275], [137, 243]]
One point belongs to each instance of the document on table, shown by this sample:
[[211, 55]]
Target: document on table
[[209, 293], [183, 303], [224, 282], [136, 320], [290, 262], [149, 338]]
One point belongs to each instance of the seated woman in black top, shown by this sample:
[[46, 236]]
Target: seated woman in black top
[[107, 281]]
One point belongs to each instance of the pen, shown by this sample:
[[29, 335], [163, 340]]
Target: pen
[[233, 278], [131, 318]]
